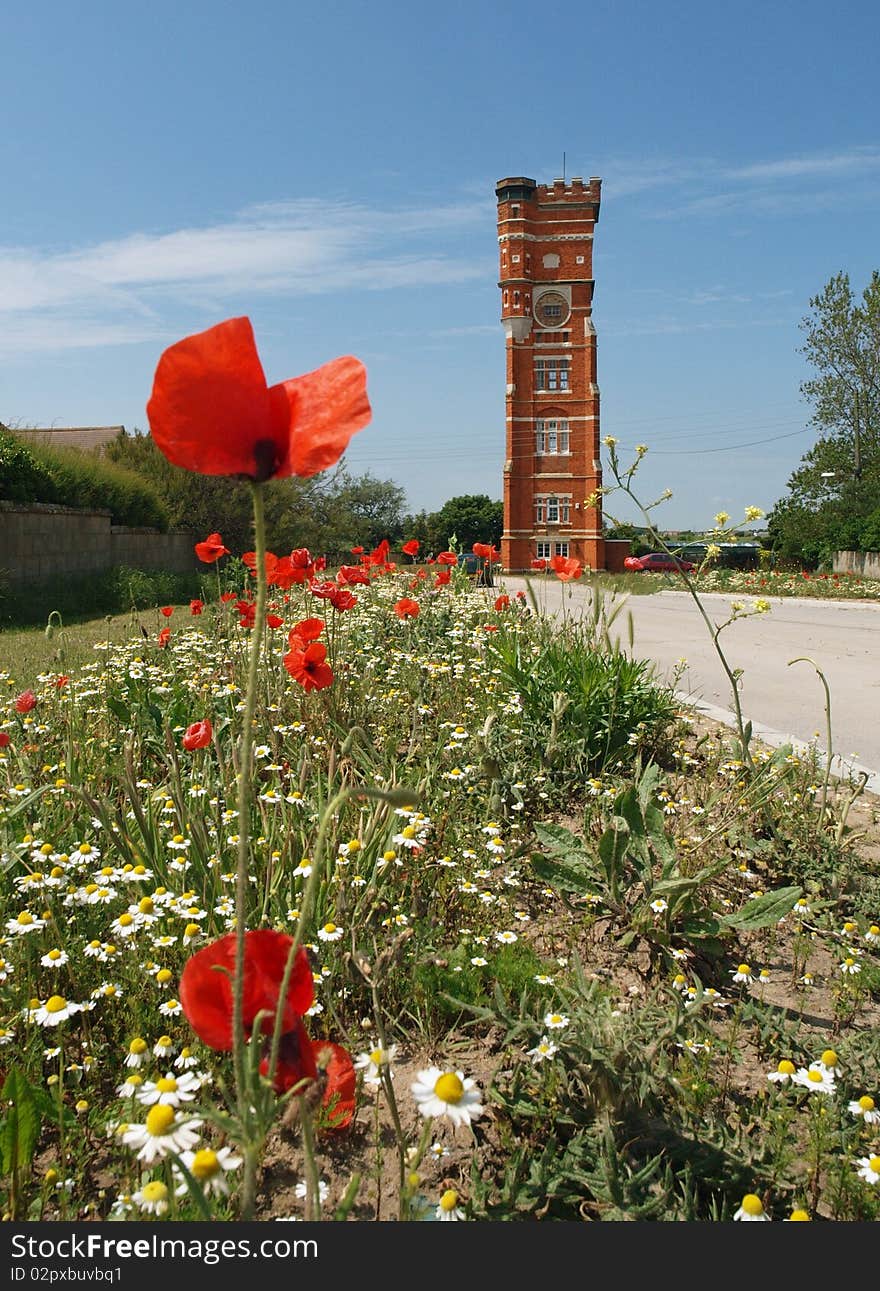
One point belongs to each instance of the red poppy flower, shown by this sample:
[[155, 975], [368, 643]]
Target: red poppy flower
[[164, 638], [338, 1099], [502, 603], [61, 682], [309, 667], [539, 563], [305, 631], [26, 701], [566, 568], [228, 596], [485, 551], [443, 578], [270, 560], [211, 549], [301, 558], [406, 609], [351, 574], [411, 547], [342, 599], [447, 558], [248, 613], [357, 551], [5, 740], [211, 410], [167, 611], [274, 620], [379, 554], [196, 606], [198, 736]]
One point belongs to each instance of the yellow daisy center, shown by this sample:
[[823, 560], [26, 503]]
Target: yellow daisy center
[[829, 1057], [159, 1120], [330, 927], [449, 1200], [46, 849], [54, 954], [866, 1103], [449, 1088], [164, 1042], [752, 1205], [798, 1215], [815, 1077], [166, 1084], [164, 975], [178, 838], [786, 1067], [190, 930], [746, 970], [146, 906], [25, 918], [56, 1004], [154, 1191], [874, 1164], [354, 845], [205, 1164], [125, 920], [376, 1057], [389, 856], [85, 849]]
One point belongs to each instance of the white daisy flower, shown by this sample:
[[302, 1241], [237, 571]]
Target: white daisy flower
[[208, 1167], [152, 1198], [813, 1079], [752, 1208], [56, 1010], [452, 1094], [543, 1050], [448, 1208], [783, 1073], [869, 1169], [170, 1090], [162, 1133], [371, 1063], [866, 1108], [330, 932], [556, 1021]]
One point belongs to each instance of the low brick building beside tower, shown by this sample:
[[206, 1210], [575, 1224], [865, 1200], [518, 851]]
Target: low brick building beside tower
[[552, 462]]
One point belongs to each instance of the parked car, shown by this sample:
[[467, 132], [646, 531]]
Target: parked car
[[477, 569], [658, 562]]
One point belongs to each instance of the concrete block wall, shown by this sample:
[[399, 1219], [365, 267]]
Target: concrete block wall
[[42, 541], [864, 563]]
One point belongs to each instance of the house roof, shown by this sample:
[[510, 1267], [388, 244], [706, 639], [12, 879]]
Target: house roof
[[90, 438]]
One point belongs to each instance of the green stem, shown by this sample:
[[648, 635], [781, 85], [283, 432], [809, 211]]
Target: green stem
[[245, 797], [820, 674], [313, 1184]]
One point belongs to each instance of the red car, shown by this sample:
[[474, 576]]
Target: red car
[[658, 562]]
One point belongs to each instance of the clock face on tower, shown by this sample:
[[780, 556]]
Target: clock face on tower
[[551, 309]]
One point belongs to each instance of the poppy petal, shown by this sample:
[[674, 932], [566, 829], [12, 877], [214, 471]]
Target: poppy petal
[[318, 413], [339, 1092], [206, 985], [210, 409]]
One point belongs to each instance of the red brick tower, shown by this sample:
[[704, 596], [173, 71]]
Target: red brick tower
[[545, 238]]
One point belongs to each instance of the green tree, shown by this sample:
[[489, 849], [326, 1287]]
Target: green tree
[[471, 517], [837, 485]]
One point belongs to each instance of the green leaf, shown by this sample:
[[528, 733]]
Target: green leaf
[[763, 911], [120, 710], [570, 878], [21, 1127]]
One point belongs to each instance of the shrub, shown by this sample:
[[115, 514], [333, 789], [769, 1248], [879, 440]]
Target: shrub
[[81, 479], [22, 477], [114, 591]]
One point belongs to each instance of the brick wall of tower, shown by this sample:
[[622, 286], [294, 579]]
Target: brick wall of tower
[[545, 236]]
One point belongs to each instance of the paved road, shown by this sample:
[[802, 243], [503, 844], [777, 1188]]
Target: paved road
[[843, 637]]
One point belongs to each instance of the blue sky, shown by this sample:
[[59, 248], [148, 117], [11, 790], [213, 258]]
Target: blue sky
[[329, 170]]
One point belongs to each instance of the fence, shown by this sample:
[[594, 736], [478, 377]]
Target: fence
[[39, 541], [864, 563]]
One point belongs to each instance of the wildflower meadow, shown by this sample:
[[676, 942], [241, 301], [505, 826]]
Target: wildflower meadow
[[374, 893]]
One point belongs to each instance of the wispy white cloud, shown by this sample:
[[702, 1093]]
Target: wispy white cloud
[[709, 186], [126, 289]]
